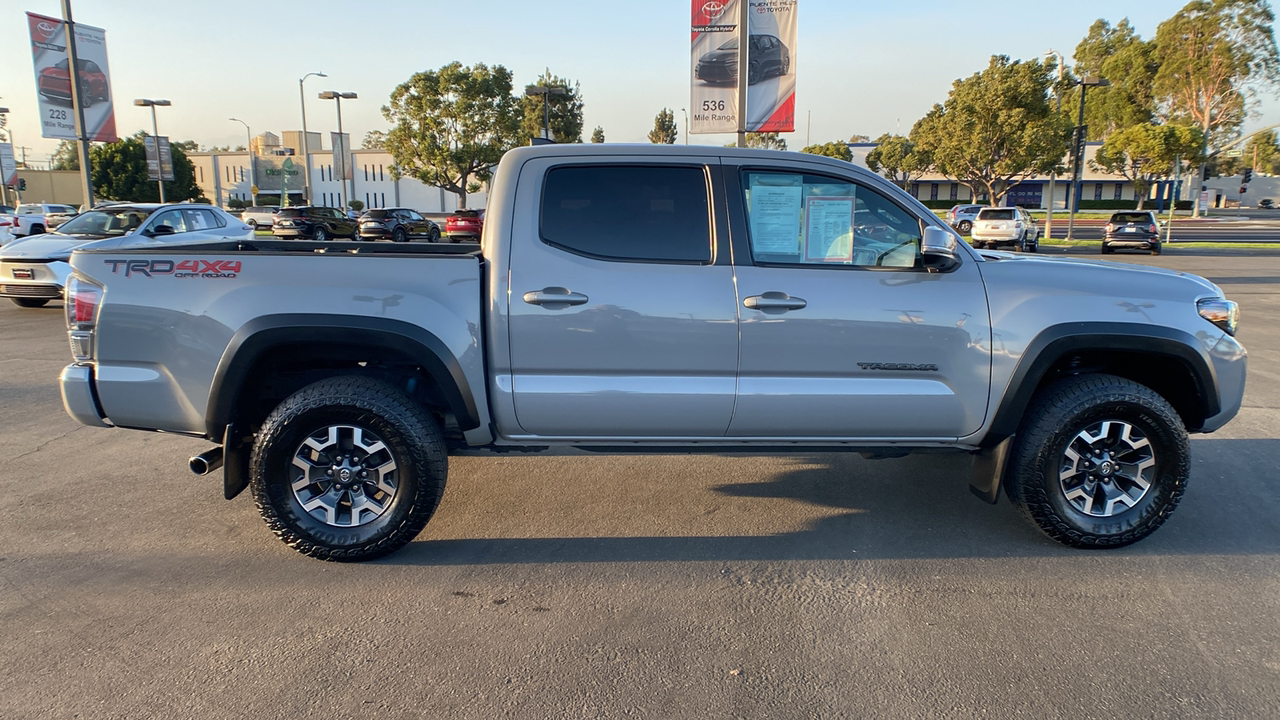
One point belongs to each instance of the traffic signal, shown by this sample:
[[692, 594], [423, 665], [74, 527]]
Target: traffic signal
[[1244, 189], [1248, 175], [22, 184]]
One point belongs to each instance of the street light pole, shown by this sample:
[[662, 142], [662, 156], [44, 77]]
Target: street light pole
[[306, 144], [253, 181], [155, 134], [82, 130], [1053, 176], [1077, 173], [346, 151], [4, 192], [546, 91], [686, 125]]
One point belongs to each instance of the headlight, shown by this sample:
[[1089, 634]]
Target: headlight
[[1221, 312]]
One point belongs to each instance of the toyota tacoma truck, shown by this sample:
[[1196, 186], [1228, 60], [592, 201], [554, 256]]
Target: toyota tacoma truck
[[640, 299]]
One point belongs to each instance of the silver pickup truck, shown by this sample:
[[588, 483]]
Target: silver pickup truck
[[656, 298]]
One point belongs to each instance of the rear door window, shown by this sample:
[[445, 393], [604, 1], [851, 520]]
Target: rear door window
[[629, 213]]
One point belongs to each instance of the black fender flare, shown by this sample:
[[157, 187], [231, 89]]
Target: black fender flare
[[1057, 341], [266, 332]]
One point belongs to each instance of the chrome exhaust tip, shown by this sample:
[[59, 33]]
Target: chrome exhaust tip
[[206, 462]]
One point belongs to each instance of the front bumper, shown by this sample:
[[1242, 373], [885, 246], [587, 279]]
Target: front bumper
[[78, 400], [1230, 362], [44, 280]]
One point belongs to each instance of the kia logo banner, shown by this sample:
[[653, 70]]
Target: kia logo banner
[[54, 77], [770, 73]]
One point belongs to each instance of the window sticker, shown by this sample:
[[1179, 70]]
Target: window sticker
[[775, 214], [828, 229]]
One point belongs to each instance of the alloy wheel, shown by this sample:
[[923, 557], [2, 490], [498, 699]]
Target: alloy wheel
[[1107, 468], [344, 476]]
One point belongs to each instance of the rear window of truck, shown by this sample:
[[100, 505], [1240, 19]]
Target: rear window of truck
[[636, 213]]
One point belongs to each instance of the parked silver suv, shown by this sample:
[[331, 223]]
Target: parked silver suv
[[1006, 226], [263, 216]]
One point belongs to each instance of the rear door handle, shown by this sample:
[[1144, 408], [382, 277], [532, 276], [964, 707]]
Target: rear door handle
[[554, 298], [774, 301]]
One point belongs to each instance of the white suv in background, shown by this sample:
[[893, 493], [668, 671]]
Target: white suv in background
[[996, 226], [263, 216]]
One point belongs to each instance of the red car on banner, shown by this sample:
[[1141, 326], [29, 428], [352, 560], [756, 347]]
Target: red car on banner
[[55, 83]]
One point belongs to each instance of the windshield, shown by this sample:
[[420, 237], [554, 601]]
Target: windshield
[[989, 214], [1131, 218], [731, 45], [109, 223]]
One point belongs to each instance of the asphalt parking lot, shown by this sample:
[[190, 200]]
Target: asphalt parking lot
[[584, 586]]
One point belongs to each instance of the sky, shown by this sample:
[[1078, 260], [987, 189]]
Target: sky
[[861, 67]]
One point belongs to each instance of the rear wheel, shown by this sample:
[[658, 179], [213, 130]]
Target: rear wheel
[[348, 469], [253, 224], [1100, 461], [399, 235], [1155, 248], [1106, 249], [37, 230], [320, 235], [30, 302], [964, 227]]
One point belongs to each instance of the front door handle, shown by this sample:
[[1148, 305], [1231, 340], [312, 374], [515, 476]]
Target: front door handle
[[774, 301], [554, 298]]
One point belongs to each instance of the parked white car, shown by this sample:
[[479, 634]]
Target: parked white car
[[37, 218], [260, 216], [34, 270], [996, 226]]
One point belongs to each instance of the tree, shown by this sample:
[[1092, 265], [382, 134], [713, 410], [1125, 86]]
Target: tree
[[1214, 56], [856, 138], [597, 135], [66, 156], [766, 141], [837, 150], [664, 130], [565, 111], [1148, 152], [995, 129], [120, 173], [1128, 62], [356, 205], [238, 204], [451, 125], [188, 146], [374, 140], [1261, 149], [897, 159]]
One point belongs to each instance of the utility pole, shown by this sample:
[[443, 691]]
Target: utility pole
[[1053, 176], [306, 143], [73, 61]]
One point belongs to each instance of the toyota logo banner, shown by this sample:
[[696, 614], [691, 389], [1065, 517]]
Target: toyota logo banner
[[53, 79], [770, 71]]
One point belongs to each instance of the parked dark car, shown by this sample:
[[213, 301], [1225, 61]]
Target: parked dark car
[[1266, 203], [464, 225], [397, 224], [55, 83], [766, 57], [1133, 230], [313, 223]]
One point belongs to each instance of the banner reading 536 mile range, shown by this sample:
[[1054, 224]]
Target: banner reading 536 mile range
[[770, 71]]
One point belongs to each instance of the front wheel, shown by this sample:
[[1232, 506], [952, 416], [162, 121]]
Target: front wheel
[[348, 469], [30, 302], [434, 235], [1106, 249], [1100, 461]]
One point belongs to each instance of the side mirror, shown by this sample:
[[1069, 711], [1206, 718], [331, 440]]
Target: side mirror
[[938, 250], [159, 230]]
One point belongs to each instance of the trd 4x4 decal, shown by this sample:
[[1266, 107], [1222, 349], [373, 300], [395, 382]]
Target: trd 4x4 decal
[[182, 268]]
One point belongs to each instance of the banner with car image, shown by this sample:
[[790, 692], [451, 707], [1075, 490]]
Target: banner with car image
[[53, 79], [771, 79], [714, 100], [771, 66]]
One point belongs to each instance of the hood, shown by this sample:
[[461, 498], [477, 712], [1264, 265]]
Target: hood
[[50, 246], [1089, 272], [720, 56]]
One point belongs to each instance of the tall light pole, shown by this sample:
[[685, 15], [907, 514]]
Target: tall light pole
[[1077, 172], [1053, 176], [82, 129], [4, 192], [155, 133], [546, 91], [253, 181], [338, 97], [306, 145], [686, 125]]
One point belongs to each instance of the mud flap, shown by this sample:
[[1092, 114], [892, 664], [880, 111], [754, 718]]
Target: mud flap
[[988, 469], [235, 462]]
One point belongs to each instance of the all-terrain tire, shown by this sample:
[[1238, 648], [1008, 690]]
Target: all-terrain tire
[[1133, 422], [404, 431]]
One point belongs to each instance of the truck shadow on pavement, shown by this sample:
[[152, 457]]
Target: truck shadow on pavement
[[915, 507]]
